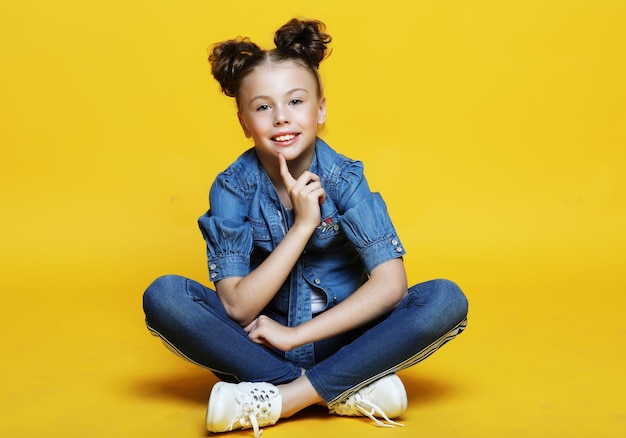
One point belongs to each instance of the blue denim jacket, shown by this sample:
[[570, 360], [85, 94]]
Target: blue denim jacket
[[246, 221]]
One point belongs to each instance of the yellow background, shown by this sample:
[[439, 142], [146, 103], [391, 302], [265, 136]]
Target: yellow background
[[495, 130]]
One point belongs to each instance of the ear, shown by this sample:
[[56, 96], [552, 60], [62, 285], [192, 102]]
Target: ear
[[321, 118], [243, 125]]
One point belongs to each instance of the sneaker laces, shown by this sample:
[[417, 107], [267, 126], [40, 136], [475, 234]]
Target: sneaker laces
[[254, 407], [367, 408]]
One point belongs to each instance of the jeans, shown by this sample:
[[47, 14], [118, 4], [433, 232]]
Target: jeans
[[191, 321]]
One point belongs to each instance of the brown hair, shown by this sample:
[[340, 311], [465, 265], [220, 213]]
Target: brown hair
[[300, 41]]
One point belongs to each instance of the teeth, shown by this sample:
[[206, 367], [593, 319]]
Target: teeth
[[285, 137]]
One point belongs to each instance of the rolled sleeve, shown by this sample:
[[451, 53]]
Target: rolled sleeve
[[226, 229], [369, 228], [229, 244]]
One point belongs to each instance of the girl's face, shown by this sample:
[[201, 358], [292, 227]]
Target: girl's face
[[279, 107]]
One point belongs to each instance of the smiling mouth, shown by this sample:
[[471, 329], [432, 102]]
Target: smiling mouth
[[285, 138]]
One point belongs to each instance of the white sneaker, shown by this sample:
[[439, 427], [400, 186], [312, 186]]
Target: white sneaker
[[242, 406], [385, 398]]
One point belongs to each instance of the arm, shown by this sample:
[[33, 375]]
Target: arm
[[245, 297], [367, 225], [383, 291]]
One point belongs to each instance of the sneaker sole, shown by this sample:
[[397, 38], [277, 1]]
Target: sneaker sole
[[213, 407]]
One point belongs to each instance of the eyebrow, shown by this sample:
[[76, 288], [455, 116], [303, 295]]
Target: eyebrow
[[293, 90]]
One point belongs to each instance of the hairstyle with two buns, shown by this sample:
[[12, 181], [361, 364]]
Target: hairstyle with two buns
[[302, 41]]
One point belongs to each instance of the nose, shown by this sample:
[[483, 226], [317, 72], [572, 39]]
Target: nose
[[280, 116]]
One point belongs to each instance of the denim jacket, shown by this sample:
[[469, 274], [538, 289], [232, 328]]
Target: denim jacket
[[246, 221]]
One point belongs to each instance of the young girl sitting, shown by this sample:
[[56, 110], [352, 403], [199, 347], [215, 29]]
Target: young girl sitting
[[311, 303]]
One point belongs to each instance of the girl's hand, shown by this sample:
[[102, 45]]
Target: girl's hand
[[266, 331], [306, 194]]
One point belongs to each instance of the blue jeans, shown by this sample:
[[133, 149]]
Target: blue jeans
[[192, 322]]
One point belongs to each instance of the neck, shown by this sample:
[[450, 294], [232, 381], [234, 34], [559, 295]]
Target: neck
[[296, 167]]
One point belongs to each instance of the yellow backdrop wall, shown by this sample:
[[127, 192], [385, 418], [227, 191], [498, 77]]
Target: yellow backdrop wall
[[494, 130]]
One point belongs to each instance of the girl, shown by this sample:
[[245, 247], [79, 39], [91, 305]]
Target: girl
[[311, 303]]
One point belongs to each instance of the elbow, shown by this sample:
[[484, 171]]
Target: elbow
[[235, 306], [392, 277], [399, 290], [239, 315]]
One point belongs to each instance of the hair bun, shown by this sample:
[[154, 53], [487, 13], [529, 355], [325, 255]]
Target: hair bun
[[229, 59], [304, 38]]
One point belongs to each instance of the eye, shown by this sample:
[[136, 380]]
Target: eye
[[263, 107], [295, 101]]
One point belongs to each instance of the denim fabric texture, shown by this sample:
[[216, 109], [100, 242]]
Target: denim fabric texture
[[245, 222], [191, 321]]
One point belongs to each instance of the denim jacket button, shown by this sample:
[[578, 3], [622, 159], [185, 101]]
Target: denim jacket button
[[317, 281], [394, 242], [213, 266], [213, 274], [398, 249]]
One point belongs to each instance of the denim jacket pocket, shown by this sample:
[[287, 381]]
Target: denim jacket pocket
[[328, 232]]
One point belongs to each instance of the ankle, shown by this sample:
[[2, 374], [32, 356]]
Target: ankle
[[297, 395]]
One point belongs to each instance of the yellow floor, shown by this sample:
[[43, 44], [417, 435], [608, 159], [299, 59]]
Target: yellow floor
[[497, 139], [542, 357]]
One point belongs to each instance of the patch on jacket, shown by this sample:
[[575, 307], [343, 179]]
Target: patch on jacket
[[328, 224]]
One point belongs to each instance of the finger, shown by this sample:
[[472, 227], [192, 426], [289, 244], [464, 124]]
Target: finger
[[258, 338], [308, 177], [319, 194], [322, 197], [307, 186], [306, 183], [314, 187], [250, 326], [288, 179]]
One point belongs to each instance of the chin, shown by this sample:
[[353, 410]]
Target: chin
[[292, 155]]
